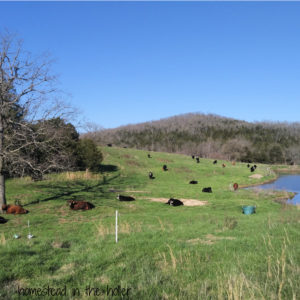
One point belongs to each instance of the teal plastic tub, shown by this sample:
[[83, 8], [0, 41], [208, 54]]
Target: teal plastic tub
[[249, 210]]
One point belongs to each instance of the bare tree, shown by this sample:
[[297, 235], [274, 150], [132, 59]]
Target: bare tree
[[25, 107]]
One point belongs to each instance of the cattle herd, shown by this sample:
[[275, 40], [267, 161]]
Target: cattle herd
[[84, 205]]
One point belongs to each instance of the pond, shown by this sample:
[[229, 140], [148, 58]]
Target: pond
[[290, 183]]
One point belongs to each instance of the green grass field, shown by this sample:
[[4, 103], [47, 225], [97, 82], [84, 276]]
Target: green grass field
[[188, 252]]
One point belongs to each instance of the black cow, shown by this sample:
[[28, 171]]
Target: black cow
[[198, 160], [125, 198], [207, 190], [252, 169], [165, 168], [193, 156], [255, 166], [193, 182], [149, 156], [174, 202], [2, 220], [248, 166], [109, 145], [215, 162], [151, 175]]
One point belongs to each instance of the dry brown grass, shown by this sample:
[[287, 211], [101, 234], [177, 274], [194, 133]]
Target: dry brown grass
[[209, 239], [123, 227], [2, 239], [86, 175]]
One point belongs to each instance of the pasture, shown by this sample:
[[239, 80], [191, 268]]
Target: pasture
[[209, 251]]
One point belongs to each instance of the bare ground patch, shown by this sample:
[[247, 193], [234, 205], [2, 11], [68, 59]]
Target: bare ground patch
[[165, 160], [256, 176], [186, 202], [209, 239]]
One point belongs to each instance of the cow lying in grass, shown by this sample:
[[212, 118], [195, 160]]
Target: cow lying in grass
[[174, 202], [2, 220], [77, 205], [125, 198], [151, 175], [215, 161], [207, 190], [193, 182], [14, 209], [165, 168]]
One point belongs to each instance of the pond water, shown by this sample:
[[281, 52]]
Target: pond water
[[290, 183]]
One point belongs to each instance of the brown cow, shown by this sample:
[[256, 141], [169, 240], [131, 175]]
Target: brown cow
[[14, 209], [235, 186], [76, 205], [223, 165]]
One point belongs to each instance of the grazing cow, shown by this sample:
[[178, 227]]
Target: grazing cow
[[223, 165], [193, 182], [14, 209], [235, 186], [151, 175], [109, 145], [2, 220], [193, 156], [149, 156], [255, 166], [76, 205], [207, 190], [215, 161], [174, 202], [125, 198], [124, 147], [198, 160], [165, 168], [248, 166], [233, 163], [252, 169]]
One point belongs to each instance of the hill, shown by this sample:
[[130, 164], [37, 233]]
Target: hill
[[210, 136], [211, 251]]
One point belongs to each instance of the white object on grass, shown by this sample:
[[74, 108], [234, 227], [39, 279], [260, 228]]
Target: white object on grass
[[116, 226]]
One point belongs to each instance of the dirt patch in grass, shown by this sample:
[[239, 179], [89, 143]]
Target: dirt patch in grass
[[209, 239], [165, 160], [256, 176], [133, 163], [126, 156], [183, 170], [186, 202]]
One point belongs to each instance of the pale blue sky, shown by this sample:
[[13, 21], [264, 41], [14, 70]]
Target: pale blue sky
[[130, 62]]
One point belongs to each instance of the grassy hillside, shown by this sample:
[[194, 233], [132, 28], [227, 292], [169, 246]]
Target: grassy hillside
[[188, 252]]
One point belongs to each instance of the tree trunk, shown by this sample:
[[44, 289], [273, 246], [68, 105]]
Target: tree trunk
[[2, 180]]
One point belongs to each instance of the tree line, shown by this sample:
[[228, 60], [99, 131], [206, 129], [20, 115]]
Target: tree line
[[210, 136], [36, 136]]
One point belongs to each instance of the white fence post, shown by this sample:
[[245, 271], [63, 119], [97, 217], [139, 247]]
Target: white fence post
[[116, 226]]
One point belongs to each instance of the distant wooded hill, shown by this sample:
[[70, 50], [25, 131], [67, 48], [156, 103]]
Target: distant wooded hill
[[210, 136]]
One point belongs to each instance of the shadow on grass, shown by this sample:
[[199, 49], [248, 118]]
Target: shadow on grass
[[61, 190], [108, 168]]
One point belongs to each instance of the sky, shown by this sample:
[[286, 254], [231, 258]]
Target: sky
[[132, 62]]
